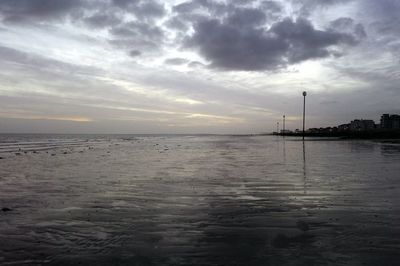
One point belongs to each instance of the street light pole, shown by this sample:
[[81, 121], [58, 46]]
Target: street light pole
[[283, 132], [277, 128], [304, 112]]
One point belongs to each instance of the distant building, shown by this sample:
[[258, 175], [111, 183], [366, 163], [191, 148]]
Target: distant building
[[385, 121], [390, 121], [362, 125], [286, 131], [343, 128]]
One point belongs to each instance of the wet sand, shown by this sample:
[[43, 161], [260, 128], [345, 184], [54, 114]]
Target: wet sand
[[202, 200]]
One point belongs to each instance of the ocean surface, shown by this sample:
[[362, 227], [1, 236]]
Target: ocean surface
[[198, 200]]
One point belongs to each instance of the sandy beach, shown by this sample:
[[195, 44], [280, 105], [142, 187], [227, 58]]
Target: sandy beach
[[198, 200]]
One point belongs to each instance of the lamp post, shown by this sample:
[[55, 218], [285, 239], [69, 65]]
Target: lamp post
[[304, 112], [277, 128], [283, 131]]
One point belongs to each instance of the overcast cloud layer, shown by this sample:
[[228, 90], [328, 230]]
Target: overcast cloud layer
[[199, 66]]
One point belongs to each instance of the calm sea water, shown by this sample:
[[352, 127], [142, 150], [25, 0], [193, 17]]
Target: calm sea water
[[198, 200]]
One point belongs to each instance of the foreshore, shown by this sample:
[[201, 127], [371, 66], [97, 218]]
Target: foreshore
[[198, 200]]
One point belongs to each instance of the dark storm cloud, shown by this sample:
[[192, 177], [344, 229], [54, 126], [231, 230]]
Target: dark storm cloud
[[249, 48]]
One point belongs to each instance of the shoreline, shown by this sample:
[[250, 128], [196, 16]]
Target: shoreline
[[381, 135]]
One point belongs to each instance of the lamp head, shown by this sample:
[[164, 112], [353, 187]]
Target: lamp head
[[304, 93]]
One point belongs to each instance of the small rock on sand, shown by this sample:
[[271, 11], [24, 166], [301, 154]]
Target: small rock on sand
[[5, 209]]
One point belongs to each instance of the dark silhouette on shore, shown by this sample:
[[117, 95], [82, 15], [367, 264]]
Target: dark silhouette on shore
[[388, 128]]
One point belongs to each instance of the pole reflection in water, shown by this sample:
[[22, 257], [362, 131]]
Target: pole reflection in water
[[304, 168], [284, 151]]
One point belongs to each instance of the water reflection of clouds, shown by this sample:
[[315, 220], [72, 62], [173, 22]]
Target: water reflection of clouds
[[390, 149], [221, 201], [361, 146]]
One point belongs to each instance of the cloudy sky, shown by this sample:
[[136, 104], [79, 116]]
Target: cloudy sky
[[195, 66]]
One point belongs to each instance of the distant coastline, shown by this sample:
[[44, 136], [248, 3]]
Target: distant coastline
[[373, 134]]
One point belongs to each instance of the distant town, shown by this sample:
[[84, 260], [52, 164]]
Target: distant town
[[389, 127]]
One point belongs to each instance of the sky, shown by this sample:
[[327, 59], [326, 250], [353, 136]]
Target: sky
[[195, 66]]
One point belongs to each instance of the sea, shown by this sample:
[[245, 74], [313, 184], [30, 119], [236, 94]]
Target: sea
[[198, 200]]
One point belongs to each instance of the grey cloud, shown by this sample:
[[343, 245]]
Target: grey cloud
[[383, 15], [176, 61], [384, 9], [125, 3], [134, 53], [150, 9], [177, 23], [95, 13], [138, 29], [212, 7], [246, 16], [133, 43], [242, 2], [142, 10], [186, 7], [348, 25], [28, 60], [26, 10], [286, 42], [137, 35], [306, 7], [271, 6], [196, 64], [102, 20]]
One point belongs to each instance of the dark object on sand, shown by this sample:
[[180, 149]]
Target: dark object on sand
[[5, 209], [18, 153], [1, 158]]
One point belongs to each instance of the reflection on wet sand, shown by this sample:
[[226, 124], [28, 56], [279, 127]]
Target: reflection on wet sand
[[304, 167], [214, 200]]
